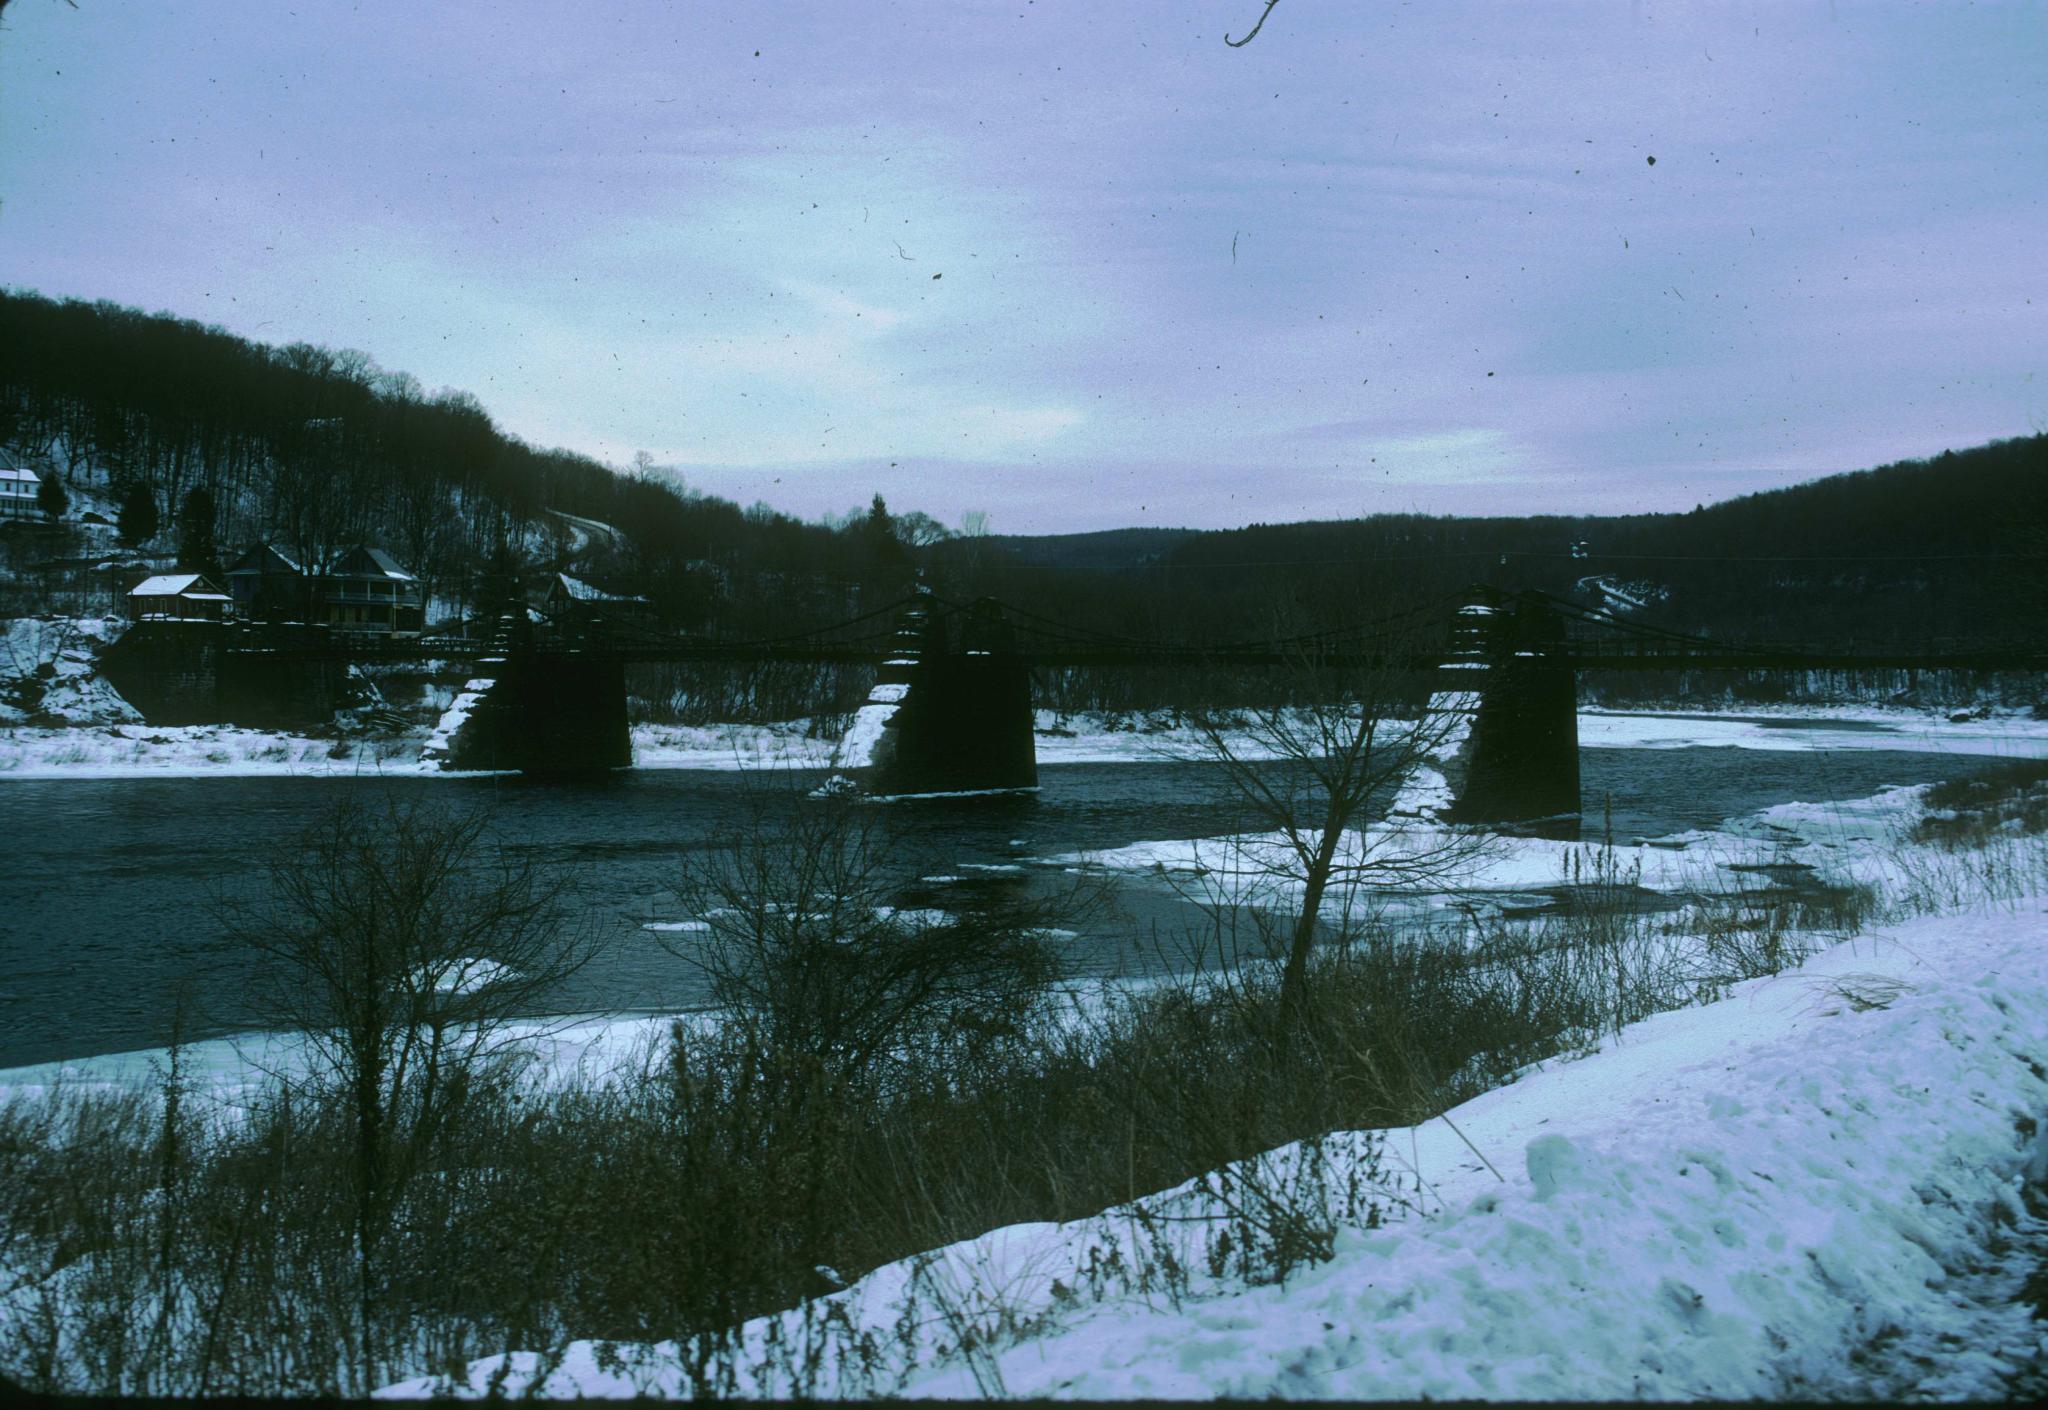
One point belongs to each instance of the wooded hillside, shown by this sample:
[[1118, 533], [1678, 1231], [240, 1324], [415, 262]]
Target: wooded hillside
[[317, 448]]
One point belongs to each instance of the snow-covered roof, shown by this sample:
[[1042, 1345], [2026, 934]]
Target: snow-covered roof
[[252, 559], [175, 585], [25, 476], [387, 563], [363, 561]]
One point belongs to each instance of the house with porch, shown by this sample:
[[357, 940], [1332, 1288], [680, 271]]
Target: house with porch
[[18, 493], [359, 589], [268, 585], [365, 590]]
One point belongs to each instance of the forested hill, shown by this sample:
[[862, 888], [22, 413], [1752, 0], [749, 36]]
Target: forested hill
[[1954, 547], [318, 448]]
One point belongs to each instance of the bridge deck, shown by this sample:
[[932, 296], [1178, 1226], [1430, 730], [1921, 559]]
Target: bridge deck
[[1582, 657]]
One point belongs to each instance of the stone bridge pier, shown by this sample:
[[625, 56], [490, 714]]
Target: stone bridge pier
[[950, 711], [1520, 763], [539, 712]]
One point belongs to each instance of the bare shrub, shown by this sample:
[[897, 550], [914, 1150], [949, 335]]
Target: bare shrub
[[401, 943], [808, 949]]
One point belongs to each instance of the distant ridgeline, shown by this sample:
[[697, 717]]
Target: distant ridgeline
[[1954, 547], [315, 448]]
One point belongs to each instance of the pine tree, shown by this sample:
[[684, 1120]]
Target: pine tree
[[197, 550], [137, 519], [52, 498]]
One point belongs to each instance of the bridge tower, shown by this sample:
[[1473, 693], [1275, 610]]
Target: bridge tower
[[950, 711], [1522, 758]]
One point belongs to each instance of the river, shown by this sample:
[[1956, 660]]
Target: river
[[106, 889]]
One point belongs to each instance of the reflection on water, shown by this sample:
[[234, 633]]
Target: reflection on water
[[104, 895]]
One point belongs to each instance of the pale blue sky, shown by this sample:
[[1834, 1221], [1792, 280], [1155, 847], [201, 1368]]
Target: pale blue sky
[[1458, 284]]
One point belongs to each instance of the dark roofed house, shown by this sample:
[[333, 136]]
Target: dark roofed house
[[365, 590], [270, 586], [572, 599], [182, 597]]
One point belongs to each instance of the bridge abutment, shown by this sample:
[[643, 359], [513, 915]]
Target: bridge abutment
[[197, 673]]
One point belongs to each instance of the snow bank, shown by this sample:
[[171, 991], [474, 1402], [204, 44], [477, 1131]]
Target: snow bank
[[1750, 1199], [102, 752], [785, 744], [49, 671], [1428, 791], [166, 751]]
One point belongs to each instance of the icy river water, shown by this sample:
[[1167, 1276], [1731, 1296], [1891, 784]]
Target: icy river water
[[104, 898]]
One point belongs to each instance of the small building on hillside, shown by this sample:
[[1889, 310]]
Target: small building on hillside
[[270, 586], [178, 597], [18, 493], [364, 589], [573, 600]]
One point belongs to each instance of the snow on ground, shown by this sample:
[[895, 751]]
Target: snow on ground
[[1807, 728], [231, 1070], [1749, 1199], [785, 744], [48, 671], [115, 751], [434, 753], [173, 751], [1844, 843]]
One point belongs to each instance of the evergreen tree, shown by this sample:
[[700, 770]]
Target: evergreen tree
[[137, 517], [197, 550], [880, 531], [52, 498]]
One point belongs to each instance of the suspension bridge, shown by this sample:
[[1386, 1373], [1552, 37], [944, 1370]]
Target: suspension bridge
[[951, 708]]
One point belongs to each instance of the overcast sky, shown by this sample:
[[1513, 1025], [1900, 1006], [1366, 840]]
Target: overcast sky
[[1081, 264]]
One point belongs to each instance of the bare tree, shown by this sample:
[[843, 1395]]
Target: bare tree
[[918, 529], [402, 944], [1346, 731], [805, 943]]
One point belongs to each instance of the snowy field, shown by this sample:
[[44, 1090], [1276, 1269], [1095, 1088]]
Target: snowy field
[[125, 750], [1787, 1193]]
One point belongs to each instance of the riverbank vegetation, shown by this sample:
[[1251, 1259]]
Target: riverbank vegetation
[[846, 1113]]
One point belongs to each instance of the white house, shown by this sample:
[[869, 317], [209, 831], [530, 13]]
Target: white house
[[177, 597], [18, 492]]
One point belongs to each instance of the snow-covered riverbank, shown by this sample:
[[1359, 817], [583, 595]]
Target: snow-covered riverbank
[[135, 750], [1787, 1192], [1782, 1194]]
